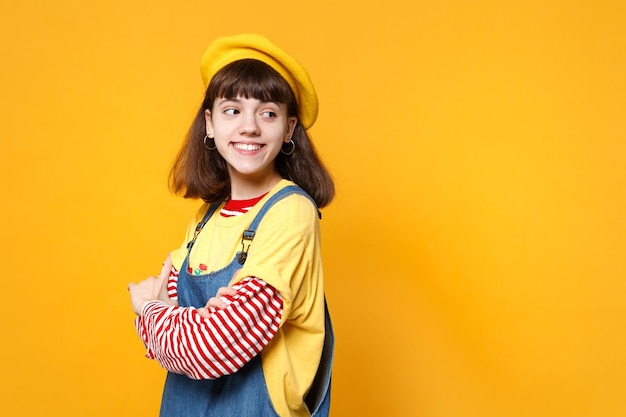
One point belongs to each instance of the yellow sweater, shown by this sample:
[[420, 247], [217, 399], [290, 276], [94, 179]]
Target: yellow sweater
[[286, 254]]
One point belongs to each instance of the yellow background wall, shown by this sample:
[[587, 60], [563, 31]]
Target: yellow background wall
[[475, 254]]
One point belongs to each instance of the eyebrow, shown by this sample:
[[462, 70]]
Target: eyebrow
[[238, 100], [224, 100]]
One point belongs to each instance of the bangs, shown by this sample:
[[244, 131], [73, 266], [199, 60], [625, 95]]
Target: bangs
[[250, 78]]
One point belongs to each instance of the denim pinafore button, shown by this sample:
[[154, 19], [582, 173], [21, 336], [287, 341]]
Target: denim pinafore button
[[244, 393]]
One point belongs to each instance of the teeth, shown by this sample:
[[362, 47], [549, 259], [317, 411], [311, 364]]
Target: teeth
[[247, 146]]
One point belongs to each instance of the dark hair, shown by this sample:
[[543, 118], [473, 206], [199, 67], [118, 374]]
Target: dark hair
[[200, 173]]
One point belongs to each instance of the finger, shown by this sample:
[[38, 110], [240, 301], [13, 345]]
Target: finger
[[203, 312], [226, 291], [166, 269], [141, 284], [215, 302]]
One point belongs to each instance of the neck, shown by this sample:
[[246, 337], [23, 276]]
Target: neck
[[248, 188]]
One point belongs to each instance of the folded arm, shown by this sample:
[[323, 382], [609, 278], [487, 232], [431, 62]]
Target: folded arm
[[217, 342]]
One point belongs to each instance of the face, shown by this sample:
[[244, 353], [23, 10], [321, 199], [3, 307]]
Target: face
[[249, 134]]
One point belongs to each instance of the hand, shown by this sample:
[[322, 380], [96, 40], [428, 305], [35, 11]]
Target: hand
[[151, 289], [217, 302]]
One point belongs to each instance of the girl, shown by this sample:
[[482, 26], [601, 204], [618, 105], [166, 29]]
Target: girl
[[237, 315]]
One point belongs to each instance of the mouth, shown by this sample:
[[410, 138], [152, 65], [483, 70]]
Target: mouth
[[247, 147]]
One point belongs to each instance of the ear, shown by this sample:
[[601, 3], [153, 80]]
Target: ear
[[209, 123], [291, 126]]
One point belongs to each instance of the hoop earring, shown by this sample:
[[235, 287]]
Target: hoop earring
[[207, 146], [293, 148]]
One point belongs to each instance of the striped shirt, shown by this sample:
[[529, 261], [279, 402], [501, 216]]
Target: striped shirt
[[239, 207], [207, 348]]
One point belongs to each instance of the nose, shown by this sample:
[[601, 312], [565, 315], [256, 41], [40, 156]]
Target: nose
[[249, 124]]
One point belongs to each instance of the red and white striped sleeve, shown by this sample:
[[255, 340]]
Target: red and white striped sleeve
[[172, 284], [183, 342]]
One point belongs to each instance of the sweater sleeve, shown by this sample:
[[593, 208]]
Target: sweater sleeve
[[183, 342]]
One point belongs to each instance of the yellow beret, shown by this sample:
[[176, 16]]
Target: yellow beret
[[227, 49]]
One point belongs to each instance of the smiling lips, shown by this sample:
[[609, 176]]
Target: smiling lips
[[247, 146]]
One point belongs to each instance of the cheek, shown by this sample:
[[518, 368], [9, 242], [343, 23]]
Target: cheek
[[220, 142], [221, 131]]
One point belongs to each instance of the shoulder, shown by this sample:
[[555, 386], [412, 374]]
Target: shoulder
[[293, 208], [297, 205]]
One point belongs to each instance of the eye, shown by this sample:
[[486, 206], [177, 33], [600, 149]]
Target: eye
[[269, 113], [231, 111]]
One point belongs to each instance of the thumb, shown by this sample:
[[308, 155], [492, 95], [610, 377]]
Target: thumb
[[166, 269]]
